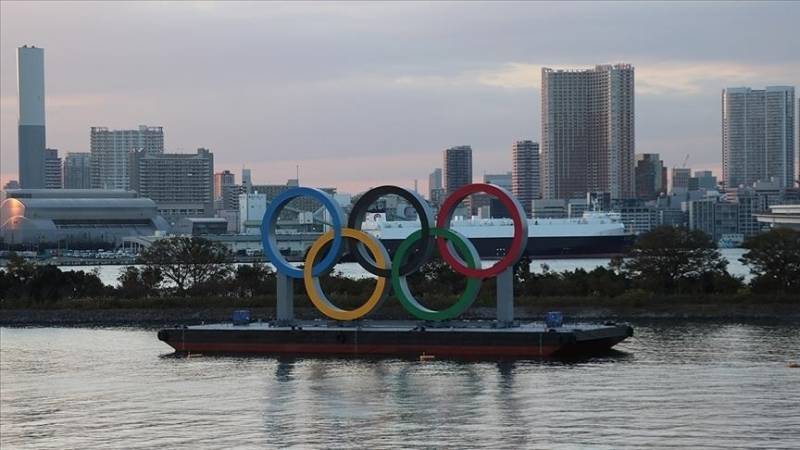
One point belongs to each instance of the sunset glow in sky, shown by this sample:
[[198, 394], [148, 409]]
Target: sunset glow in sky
[[361, 94]]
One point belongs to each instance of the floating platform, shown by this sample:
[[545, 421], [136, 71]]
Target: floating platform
[[462, 339]]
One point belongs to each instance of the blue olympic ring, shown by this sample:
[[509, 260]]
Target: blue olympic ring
[[270, 222]]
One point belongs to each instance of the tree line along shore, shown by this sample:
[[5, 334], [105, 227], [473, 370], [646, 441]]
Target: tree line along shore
[[669, 271]]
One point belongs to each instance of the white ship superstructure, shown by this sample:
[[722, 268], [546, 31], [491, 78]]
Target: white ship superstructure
[[593, 234], [591, 224]]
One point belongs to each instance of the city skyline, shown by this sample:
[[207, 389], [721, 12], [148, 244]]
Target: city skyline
[[279, 105]]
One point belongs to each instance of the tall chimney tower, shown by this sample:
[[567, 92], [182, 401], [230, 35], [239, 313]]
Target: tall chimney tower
[[30, 85]]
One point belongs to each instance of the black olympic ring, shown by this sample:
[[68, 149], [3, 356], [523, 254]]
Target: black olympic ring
[[423, 249]]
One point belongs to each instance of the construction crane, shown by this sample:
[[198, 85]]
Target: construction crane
[[685, 160]]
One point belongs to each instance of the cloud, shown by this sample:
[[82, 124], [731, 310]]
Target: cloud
[[688, 78], [513, 76], [662, 78]]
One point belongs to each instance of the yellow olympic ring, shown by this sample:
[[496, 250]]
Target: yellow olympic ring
[[314, 290]]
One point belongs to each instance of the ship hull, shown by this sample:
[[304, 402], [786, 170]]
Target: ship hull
[[546, 247], [398, 341]]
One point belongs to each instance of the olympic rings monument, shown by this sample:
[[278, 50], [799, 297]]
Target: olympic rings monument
[[433, 332]]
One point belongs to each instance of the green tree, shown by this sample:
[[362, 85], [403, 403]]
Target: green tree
[[19, 269], [135, 282], [674, 259], [774, 260], [188, 262], [23, 280], [252, 280]]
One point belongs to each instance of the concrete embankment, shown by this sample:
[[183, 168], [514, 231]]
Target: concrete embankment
[[189, 316]]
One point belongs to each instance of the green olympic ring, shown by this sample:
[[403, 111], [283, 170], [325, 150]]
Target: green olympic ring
[[400, 285]]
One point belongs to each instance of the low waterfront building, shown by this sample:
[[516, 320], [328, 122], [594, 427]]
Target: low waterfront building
[[232, 217], [638, 218], [781, 216], [251, 211], [735, 213], [76, 217], [200, 226]]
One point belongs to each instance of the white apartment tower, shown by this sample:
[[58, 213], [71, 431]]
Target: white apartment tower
[[110, 149], [588, 132], [525, 173], [758, 136]]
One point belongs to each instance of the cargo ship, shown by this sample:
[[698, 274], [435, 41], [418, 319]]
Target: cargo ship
[[460, 340], [595, 234]]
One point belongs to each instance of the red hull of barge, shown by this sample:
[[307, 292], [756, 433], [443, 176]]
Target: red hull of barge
[[462, 343]]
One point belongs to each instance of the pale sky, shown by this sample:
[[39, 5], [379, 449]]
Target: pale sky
[[362, 94]]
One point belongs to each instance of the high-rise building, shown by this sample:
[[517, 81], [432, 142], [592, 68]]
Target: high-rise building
[[758, 136], [499, 179], [457, 168], [434, 182], [588, 132], [30, 131], [435, 189], [680, 179], [221, 179], [53, 175], [525, 169], [495, 206], [226, 192], [649, 169], [247, 181], [230, 198], [110, 149], [181, 184], [705, 180], [77, 170]]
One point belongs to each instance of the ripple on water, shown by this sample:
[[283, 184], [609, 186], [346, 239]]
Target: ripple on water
[[680, 385]]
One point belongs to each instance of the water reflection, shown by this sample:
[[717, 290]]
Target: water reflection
[[681, 385]]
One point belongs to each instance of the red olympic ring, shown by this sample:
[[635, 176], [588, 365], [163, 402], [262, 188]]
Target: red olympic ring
[[518, 243]]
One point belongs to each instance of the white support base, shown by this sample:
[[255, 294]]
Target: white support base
[[505, 298], [285, 306]]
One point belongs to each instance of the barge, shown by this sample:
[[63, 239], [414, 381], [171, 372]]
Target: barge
[[461, 340]]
